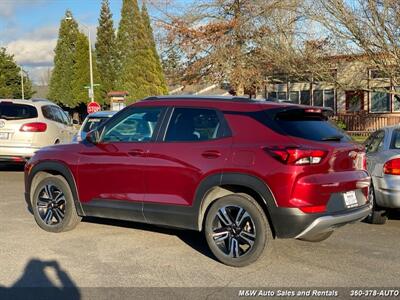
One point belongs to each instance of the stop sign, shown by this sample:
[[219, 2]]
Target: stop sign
[[93, 107]]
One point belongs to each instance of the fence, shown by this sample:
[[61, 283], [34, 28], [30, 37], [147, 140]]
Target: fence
[[364, 124]]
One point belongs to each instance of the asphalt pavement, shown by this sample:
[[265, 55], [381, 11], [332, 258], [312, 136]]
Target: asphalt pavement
[[106, 253]]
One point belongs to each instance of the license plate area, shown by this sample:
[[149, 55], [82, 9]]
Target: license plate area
[[350, 199], [4, 135]]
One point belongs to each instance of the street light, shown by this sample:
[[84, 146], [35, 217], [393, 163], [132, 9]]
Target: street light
[[91, 90]]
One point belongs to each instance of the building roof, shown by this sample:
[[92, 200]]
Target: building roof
[[117, 94]]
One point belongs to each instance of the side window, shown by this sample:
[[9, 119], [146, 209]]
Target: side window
[[63, 115], [136, 126], [191, 124], [49, 113], [376, 143], [58, 113], [395, 143]]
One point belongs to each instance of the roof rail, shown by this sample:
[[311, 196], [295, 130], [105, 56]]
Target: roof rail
[[40, 100], [199, 97]]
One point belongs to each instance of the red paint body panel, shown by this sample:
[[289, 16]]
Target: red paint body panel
[[169, 173]]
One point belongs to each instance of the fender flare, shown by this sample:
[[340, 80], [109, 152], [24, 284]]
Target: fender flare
[[59, 167], [239, 179]]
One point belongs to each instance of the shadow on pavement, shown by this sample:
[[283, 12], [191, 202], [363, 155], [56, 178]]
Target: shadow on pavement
[[11, 167], [35, 284], [191, 238], [394, 214]]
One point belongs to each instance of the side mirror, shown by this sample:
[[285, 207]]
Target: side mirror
[[75, 122], [93, 137]]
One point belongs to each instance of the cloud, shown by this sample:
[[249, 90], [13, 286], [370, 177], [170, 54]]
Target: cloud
[[33, 52], [8, 7]]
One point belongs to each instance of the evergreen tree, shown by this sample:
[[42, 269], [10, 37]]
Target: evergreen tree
[[137, 65], [162, 85], [81, 73], [106, 49], [10, 78], [60, 89]]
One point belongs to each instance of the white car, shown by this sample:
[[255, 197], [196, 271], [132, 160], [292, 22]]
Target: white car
[[28, 125], [91, 122]]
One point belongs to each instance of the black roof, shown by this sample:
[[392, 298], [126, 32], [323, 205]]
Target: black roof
[[198, 97]]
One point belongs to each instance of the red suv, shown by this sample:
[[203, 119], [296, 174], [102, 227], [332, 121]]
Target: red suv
[[244, 172]]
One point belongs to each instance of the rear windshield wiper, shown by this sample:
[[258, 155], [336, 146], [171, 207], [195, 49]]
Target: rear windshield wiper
[[333, 138]]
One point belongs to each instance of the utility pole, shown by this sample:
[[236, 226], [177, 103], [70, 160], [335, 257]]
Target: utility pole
[[22, 84]]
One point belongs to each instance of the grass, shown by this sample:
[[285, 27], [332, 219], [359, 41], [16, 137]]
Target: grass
[[359, 138]]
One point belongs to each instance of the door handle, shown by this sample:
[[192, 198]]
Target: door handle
[[136, 152], [211, 154]]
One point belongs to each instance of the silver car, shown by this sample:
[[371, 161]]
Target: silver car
[[91, 122], [28, 125], [383, 163]]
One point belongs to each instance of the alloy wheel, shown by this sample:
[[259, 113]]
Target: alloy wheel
[[233, 231], [51, 205]]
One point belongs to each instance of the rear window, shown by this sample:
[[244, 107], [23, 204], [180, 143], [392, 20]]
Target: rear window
[[12, 111], [93, 122], [307, 125]]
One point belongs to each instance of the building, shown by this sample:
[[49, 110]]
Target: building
[[359, 94]]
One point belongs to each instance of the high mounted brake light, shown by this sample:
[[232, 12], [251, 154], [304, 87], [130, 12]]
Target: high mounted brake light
[[297, 156]]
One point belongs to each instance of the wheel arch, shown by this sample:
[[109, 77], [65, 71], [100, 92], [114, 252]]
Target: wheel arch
[[40, 170], [219, 185]]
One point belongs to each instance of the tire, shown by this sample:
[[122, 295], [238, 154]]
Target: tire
[[56, 213], [237, 230], [377, 214]]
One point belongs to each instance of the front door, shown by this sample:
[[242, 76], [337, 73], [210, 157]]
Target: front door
[[110, 172]]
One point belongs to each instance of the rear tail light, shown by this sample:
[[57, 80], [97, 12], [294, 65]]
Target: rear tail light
[[392, 167], [297, 156], [313, 209], [34, 127]]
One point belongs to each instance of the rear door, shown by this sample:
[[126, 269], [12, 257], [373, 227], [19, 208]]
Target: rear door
[[12, 117]]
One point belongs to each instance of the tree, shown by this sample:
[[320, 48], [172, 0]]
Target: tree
[[366, 28], [162, 85], [228, 40], [60, 89], [106, 50], [81, 73], [138, 71], [10, 78]]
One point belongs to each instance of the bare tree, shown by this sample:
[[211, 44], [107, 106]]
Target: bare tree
[[369, 29], [232, 40]]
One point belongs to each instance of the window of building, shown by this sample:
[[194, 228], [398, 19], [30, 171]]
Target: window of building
[[396, 99], [380, 101], [305, 97], [282, 96], [318, 97], [272, 95], [294, 96], [329, 98], [354, 101]]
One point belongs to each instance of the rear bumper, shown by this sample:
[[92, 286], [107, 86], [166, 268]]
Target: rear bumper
[[330, 223], [387, 191], [12, 153]]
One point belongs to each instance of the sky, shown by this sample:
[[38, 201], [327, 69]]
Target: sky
[[29, 28]]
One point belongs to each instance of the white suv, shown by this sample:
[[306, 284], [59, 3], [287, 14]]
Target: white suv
[[28, 125]]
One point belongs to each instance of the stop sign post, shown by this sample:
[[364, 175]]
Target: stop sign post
[[93, 107]]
